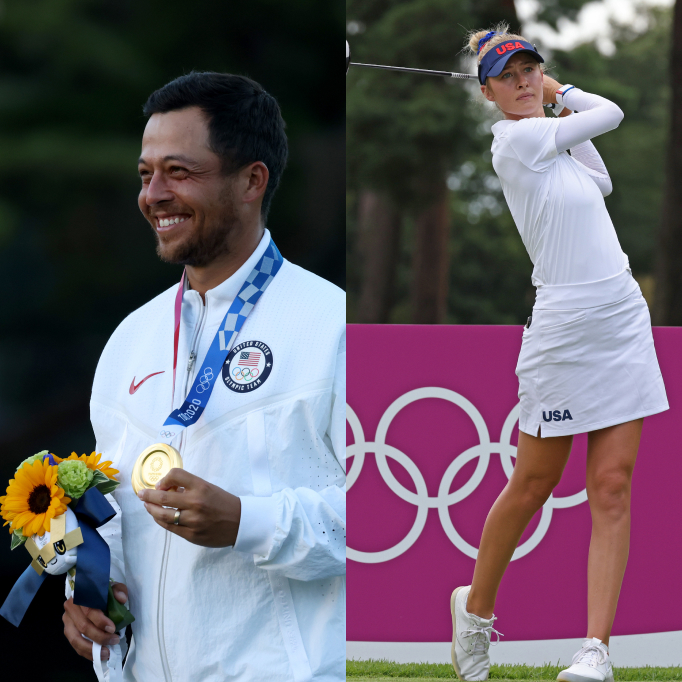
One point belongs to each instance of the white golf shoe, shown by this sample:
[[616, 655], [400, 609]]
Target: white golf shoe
[[590, 664], [470, 639]]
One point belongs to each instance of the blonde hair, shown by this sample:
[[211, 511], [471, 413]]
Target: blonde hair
[[502, 35]]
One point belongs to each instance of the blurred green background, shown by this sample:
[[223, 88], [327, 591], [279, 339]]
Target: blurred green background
[[76, 256], [430, 237]]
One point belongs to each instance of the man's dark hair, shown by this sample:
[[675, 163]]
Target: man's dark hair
[[244, 122]]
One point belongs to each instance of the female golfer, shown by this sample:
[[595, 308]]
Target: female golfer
[[587, 361]]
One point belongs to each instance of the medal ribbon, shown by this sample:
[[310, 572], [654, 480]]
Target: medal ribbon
[[251, 290], [176, 334]]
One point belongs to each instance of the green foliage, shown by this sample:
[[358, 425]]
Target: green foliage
[[405, 134], [402, 129], [103, 483], [18, 539], [553, 10], [117, 612], [383, 669], [490, 269], [636, 77], [74, 249]]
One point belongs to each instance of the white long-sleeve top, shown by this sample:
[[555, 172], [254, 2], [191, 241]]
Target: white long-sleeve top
[[273, 606], [557, 199]]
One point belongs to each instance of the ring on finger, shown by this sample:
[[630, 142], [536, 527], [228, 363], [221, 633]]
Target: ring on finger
[[176, 518]]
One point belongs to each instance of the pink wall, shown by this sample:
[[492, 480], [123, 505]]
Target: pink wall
[[405, 596]]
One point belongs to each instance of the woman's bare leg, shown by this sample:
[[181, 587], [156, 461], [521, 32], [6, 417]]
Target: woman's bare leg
[[611, 455], [539, 465]]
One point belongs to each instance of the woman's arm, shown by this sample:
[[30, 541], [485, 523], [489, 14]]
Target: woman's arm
[[587, 155], [597, 115]]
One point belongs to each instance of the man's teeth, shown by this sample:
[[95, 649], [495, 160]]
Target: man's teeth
[[165, 222]]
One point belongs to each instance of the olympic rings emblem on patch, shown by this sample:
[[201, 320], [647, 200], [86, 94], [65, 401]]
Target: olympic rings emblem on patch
[[245, 373], [247, 366], [444, 499], [205, 381], [166, 434]]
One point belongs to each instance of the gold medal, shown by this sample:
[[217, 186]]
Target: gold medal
[[153, 464]]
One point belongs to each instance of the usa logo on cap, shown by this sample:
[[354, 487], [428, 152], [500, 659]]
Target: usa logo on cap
[[496, 58]]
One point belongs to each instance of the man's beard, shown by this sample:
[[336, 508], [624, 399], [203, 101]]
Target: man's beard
[[203, 245]]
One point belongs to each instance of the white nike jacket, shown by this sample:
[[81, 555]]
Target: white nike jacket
[[273, 606]]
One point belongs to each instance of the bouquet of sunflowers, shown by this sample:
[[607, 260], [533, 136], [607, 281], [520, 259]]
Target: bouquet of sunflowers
[[53, 507]]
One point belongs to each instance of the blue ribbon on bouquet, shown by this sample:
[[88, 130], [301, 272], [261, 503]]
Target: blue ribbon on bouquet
[[93, 563], [21, 596], [94, 558]]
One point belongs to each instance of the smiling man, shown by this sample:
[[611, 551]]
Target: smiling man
[[234, 563]]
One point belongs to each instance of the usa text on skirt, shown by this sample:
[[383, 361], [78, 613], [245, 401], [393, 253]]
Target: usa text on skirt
[[588, 359]]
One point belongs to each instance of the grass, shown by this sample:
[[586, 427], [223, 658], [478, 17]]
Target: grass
[[370, 671]]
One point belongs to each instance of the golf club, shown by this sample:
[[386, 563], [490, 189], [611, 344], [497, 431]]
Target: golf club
[[446, 74]]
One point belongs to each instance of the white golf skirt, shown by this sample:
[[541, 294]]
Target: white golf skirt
[[588, 359]]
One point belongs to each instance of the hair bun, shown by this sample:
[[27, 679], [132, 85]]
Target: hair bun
[[484, 40]]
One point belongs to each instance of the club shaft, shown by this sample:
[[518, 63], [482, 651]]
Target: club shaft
[[446, 74]]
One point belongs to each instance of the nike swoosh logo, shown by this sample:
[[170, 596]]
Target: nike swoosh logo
[[134, 388]]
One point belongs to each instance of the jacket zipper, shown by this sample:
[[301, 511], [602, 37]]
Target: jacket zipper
[[192, 358], [166, 540]]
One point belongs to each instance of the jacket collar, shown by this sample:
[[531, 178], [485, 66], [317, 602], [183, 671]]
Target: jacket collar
[[221, 297]]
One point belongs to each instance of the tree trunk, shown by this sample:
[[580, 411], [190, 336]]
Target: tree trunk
[[668, 292], [430, 262], [378, 242]]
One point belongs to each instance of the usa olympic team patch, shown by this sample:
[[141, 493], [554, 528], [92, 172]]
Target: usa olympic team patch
[[247, 366]]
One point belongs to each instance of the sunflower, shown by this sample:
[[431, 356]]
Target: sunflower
[[33, 499], [92, 462]]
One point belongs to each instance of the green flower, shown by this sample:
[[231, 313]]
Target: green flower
[[33, 458], [74, 477]]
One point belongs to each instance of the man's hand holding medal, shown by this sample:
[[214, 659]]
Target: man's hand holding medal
[[194, 509]]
